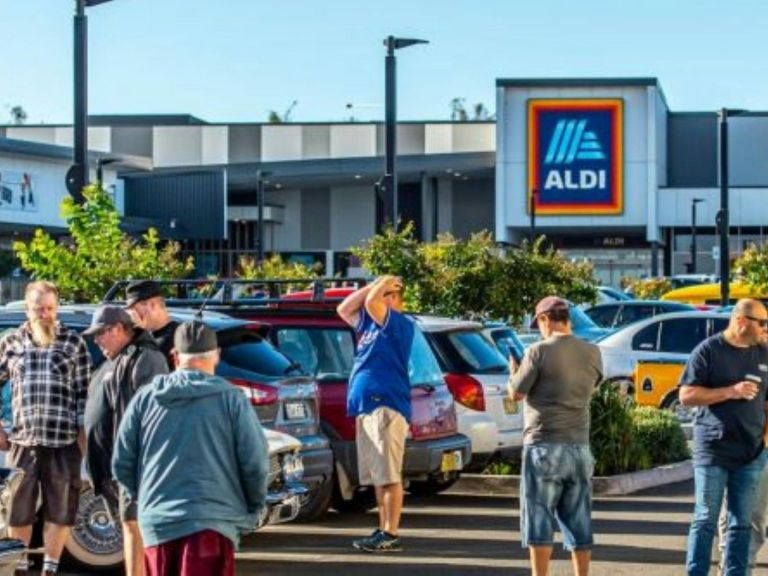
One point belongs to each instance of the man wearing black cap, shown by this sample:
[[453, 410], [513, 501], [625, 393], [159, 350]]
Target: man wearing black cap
[[192, 450], [145, 303], [133, 359], [556, 380]]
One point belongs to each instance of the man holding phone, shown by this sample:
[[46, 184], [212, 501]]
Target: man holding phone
[[727, 378]]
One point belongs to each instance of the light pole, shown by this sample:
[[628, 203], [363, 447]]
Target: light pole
[[533, 198], [694, 202], [260, 175], [390, 116], [100, 163], [722, 219], [77, 175]]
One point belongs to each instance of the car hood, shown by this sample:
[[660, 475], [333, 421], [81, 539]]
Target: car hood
[[280, 442]]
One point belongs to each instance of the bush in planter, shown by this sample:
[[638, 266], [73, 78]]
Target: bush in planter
[[612, 438], [660, 434]]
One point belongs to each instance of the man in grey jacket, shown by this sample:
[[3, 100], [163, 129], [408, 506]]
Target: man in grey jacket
[[191, 448]]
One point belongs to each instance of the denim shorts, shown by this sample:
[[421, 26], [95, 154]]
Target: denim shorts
[[557, 490]]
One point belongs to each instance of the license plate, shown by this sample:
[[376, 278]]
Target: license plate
[[295, 411], [452, 461], [510, 406]]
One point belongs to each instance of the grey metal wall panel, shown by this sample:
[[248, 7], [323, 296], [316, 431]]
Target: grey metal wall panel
[[244, 143], [473, 206], [747, 151], [190, 205], [315, 141], [692, 150], [133, 140], [316, 218]]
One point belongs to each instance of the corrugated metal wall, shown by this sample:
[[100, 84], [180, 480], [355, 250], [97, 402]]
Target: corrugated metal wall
[[190, 206]]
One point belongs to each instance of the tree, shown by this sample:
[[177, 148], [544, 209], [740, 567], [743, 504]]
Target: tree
[[473, 278], [18, 115], [273, 267], [753, 267], [274, 117], [97, 252], [647, 288], [459, 111]]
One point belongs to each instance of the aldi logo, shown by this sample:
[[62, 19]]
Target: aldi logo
[[576, 156]]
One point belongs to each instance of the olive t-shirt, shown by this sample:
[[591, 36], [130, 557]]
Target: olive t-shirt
[[558, 376]]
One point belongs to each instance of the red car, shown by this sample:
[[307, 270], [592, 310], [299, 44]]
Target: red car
[[305, 326]]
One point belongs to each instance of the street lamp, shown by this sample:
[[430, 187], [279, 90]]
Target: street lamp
[[694, 201], [533, 199], [260, 175], [390, 115], [722, 219], [100, 163], [77, 175]]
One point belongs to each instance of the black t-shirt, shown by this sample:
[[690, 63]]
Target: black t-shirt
[[164, 339], [727, 434]]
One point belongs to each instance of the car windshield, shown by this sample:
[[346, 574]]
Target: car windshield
[[477, 353], [580, 321], [245, 349], [323, 352], [508, 343]]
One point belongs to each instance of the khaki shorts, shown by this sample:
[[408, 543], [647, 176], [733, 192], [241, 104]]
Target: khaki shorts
[[380, 447], [53, 471]]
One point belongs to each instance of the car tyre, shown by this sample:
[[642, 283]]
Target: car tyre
[[316, 502], [95, 541]]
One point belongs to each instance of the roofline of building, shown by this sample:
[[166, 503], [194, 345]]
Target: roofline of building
[[65, 153], [575, 82], [205, 124]]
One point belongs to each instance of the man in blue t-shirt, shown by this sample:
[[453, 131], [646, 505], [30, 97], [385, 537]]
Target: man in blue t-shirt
[[380, 398], [727, 378]]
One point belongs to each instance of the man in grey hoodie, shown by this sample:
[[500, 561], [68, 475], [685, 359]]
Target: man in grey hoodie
[[191, 449]]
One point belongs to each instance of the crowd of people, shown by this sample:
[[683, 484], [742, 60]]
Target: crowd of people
[[180, 458]]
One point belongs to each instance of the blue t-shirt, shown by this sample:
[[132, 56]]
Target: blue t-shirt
[[380, 372], [727, 434]]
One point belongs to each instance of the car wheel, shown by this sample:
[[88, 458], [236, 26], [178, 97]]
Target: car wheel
[[433, 485], [95, 541], [315, 503], [672, 403]]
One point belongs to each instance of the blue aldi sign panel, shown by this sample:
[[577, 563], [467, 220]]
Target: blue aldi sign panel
[[576, 156]]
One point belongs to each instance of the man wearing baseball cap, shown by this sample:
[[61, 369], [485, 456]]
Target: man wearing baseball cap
[[192, 450], [132, 360], [145, 303], [556, 379]]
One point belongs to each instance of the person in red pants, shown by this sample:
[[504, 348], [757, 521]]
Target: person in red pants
[[191, 450]]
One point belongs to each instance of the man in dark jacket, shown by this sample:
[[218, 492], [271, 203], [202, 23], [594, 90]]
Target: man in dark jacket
[[145, 303], [133, 359]]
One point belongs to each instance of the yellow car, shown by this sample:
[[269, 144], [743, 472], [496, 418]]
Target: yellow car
[[655, 383], [709, 294]]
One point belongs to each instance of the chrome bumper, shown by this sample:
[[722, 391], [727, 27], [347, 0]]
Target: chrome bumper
[[283, 505]]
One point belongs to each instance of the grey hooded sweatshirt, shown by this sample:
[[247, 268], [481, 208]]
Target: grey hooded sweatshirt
[[192, 448]]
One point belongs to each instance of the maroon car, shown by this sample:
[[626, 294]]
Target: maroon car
[[305, 326]]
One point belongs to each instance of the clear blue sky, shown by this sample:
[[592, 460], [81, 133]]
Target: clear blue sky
[[234, 60]]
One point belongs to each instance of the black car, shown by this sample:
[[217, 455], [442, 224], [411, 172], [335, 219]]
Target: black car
[[618, 314], [282, 396]]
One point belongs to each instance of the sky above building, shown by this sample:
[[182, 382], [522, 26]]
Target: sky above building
[[235, 60]]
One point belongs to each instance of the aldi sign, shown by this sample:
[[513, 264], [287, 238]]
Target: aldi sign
[[576, 156]]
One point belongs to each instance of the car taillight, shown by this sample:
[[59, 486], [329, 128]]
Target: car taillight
[[257, 393], [466, 391]]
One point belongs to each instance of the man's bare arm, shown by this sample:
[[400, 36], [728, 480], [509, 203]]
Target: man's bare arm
[[701, 396], [514, 367], [374, 301], [349, 309]]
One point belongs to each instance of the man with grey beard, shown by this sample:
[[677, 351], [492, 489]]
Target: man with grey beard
[[49, 368]]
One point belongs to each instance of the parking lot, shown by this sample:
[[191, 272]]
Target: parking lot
[[457, 534]]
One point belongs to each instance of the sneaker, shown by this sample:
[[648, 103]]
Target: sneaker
[[358, 544], [380, 541]]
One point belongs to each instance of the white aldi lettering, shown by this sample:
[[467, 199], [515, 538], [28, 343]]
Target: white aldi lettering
[[575, 180]]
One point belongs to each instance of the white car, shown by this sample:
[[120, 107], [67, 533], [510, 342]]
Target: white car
[[476, 373], [97, 542], [670, 336]]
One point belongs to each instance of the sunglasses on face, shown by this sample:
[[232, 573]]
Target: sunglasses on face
[[763, 322]]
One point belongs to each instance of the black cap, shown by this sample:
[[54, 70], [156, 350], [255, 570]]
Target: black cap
[[194, 338], [107, 316], [141, 290]]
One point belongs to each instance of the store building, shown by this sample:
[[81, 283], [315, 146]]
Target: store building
[[615, 171]]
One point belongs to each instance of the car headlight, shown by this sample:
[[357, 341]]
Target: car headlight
[[292, 468]]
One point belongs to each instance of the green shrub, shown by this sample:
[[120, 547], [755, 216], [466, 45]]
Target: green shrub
[[612, 438], [660, 434]]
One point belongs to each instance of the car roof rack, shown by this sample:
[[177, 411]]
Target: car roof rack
[[269, 293]]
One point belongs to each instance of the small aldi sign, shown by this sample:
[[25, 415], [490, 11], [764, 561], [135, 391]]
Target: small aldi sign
[[576, 156]]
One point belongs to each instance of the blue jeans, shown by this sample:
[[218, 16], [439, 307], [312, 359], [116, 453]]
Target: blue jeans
[[557, 490], [711, 482]]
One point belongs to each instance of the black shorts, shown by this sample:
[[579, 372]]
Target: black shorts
[[56, 472]]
